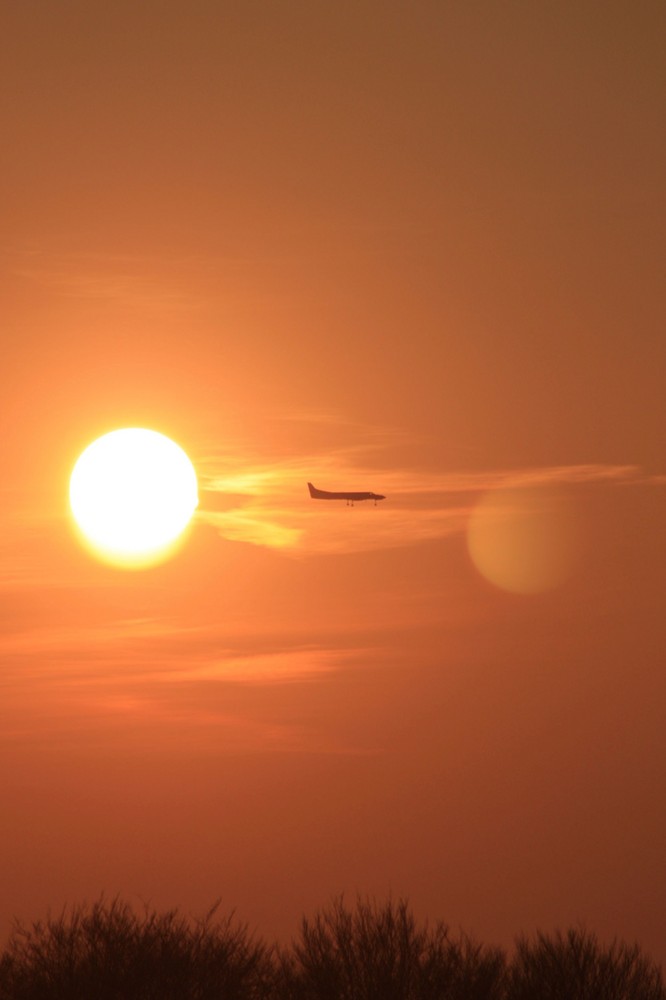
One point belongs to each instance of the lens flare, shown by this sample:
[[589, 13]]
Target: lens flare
[[523, 539]]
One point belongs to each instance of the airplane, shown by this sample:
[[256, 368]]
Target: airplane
[[349, 497]]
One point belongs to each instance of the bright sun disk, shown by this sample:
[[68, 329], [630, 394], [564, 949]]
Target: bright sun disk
[[132, 493]]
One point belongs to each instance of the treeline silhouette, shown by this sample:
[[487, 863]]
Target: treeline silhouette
[[367, 951]]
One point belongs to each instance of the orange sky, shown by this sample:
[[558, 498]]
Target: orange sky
[[415, 249]]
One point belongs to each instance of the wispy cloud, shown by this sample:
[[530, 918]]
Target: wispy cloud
[[168, 682], [164, 282], [139, 282], [54, 638], [266, 503], [162, 650]]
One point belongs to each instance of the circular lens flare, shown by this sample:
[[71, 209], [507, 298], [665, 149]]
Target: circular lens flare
[[523, 539], [132, 492]]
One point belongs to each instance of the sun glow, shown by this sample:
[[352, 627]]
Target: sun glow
[[132, 493]]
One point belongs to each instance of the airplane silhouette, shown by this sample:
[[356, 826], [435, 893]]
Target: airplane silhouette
[[350, 497]]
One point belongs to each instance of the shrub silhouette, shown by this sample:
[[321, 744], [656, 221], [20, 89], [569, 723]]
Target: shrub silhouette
[[107, 952], [366, 952], [574, 966], [379, 953]]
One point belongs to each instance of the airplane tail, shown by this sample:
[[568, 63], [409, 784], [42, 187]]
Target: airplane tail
[[313, 491]]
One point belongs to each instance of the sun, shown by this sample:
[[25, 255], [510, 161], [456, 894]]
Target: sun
[[132, 493]]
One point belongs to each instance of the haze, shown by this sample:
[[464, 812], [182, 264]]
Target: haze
[[409, 249]]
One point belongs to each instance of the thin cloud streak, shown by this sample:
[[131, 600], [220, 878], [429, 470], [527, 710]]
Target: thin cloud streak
[[158, 651], [165, 283], [50, 639], [195, 692], [131, 282], [268, 505]]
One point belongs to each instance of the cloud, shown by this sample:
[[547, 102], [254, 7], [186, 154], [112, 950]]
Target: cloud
[[161, 650], [258, 526], [159, 683], [267, 503], [164, 283], [131, 281], [54, 638]]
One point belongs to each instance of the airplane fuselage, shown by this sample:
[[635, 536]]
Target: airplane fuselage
[[350, 496]]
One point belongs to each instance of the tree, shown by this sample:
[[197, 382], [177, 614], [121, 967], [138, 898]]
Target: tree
[[380, 953], [107, 952], [574, 966]]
